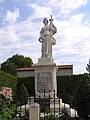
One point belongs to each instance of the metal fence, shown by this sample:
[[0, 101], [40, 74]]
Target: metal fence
[[51, 108]]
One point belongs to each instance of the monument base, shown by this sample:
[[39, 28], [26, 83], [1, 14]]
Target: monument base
[[45, 77], [45, 60]]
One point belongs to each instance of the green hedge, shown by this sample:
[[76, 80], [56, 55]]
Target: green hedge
[[66, 86], [29, 85], [75, 90], [83, 98]]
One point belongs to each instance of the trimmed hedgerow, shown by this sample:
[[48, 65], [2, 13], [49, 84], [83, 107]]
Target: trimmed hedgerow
[[28, 83]]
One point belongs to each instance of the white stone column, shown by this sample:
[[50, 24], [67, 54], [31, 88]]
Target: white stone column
[[34, 112]]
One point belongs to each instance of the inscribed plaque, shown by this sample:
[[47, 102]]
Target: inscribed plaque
[[44, 82]]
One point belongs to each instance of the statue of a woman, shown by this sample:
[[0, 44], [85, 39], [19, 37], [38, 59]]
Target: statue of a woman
[[46, 38]]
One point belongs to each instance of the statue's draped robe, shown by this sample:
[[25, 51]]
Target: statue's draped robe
[[47, 40]]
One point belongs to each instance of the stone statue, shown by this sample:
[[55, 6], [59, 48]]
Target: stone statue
[[46, 37]]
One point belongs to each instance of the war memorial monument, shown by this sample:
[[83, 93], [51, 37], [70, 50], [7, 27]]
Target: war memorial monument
[[45, 72], [45, 69]]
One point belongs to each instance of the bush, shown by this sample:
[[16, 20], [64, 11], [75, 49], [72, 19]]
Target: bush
[[6, 113]]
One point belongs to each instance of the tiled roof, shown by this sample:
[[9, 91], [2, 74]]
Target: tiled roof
[[25, 69], [65, 66], [59, 67]]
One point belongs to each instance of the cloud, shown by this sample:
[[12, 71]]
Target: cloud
[[40, 11], [17, 0], [73, 42], [11, 17], [7, 34], [67, 6], [8, 42], [1, 0], [21, 39], [72, 37]]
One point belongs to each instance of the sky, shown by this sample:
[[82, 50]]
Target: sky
[[21, 22]]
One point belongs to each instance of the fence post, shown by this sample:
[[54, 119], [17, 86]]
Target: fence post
[[34, 112]]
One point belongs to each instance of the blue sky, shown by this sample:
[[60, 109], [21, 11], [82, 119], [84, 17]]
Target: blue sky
[[21, 22]]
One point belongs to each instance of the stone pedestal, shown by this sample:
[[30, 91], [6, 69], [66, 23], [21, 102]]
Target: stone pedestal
[[34, 112], [45, 77]]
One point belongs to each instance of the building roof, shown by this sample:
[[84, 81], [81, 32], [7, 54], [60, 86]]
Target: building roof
[[65, 66], [25, 69], [58, 66]]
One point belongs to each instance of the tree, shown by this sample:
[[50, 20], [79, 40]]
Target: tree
[[88, 67], [16, 61]]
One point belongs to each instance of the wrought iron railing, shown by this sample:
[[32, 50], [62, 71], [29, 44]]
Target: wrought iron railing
[[52, 108]]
